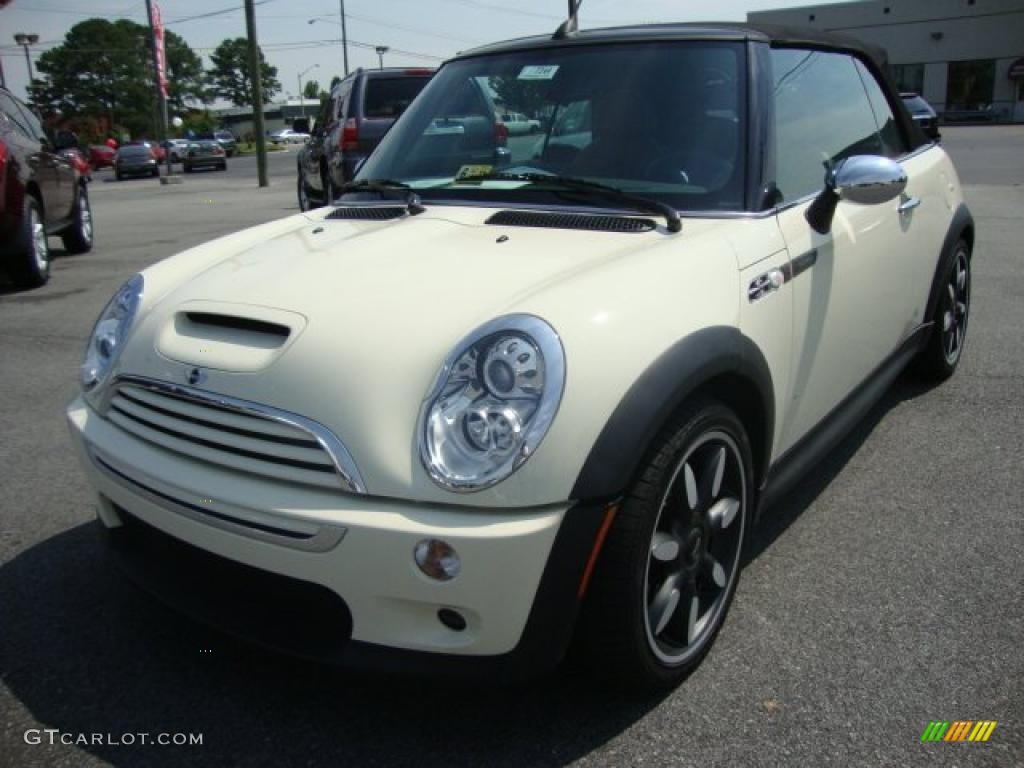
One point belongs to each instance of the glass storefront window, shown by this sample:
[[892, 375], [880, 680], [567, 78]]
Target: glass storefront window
[[909, 78], [970, 84]]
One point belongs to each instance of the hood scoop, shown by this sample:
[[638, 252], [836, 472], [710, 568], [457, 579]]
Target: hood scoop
[[584, 221], [276, 332], [228, 337], [369, 212]]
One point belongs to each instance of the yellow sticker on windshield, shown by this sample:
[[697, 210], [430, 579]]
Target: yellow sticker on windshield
[[469, 171]]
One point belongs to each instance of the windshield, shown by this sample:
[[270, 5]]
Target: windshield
[[387, 97], [136, 150], [662, 120]]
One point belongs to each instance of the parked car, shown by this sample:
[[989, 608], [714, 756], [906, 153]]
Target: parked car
[[136, 160], [227, 141], [519, 124], [41, 194], [177, 148], [154, 147], [350, 124], [205, 154], [469, 411], [288, 136], [923, 114], [101, 156]]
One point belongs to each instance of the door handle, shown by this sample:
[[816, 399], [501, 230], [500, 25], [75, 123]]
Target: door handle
[[909, 204]]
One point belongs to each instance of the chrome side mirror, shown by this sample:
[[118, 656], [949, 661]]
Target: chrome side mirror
[[861, 179]]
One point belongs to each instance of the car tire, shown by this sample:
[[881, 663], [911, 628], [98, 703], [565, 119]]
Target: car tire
[[222, 167], [30, 265], [186, 168], [155, 173], [302, 192], [669, 567], [78, 237], [118, 175], [939, 359]]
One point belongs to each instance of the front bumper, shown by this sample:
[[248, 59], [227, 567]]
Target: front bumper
[[517, 588], [137, 170], [206, 160]]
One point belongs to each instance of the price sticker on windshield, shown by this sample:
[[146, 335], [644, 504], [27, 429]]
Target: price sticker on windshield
[[538, 72]]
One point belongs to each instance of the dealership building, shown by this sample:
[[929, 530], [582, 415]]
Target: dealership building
[[966, 57]]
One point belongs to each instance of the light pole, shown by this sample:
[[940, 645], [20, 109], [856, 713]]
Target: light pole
[[344, 34], [302, 96], [381, 50], [344, 38], [25, 40]]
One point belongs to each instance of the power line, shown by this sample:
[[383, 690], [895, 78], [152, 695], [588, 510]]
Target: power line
[[211, 14], [378, 22]]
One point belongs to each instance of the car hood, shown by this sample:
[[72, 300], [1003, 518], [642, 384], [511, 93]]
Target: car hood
[[348, 322]]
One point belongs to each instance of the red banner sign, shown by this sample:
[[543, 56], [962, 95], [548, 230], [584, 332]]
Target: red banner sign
[[161, 56]]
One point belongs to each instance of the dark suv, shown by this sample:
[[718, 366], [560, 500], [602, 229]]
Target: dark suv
[[350, 124], [41, 194]]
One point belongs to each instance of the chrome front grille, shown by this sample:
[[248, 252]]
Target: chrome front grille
[[236, 434]]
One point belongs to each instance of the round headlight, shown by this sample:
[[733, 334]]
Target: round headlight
[[492, 403], [109, 333]]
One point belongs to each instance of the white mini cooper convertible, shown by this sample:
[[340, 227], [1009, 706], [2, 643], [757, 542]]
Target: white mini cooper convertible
[[510, 390]]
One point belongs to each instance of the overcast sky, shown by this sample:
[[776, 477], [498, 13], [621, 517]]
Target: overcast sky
[[421, 32]]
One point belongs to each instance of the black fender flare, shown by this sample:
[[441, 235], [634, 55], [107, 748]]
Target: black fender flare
[[684, 367], [962, 222]]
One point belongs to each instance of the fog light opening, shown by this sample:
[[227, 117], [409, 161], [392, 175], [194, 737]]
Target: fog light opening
[[437, 559], [452, 619]]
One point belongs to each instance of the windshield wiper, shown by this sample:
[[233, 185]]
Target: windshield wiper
[[382, 187], [673, 222]]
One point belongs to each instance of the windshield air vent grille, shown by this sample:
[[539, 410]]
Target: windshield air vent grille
[[368, 213], [589, 222]]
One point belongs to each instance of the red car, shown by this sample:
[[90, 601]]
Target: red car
[[101, 156]]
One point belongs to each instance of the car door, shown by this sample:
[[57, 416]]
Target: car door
[[851, 305], [334, 129], [41, 166], [58, 172]]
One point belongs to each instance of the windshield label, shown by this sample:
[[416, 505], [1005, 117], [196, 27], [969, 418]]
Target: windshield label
[[469, 171], [538, 72]]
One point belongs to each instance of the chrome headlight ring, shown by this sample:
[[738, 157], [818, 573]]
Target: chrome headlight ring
[[109, 333], [492, 403]]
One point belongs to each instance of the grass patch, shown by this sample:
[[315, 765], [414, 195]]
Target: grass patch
[[249, 148]]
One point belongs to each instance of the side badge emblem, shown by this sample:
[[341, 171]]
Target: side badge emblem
[[196, 376]]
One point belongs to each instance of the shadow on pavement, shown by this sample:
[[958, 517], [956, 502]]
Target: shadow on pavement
[[777, 518], [86, 652]]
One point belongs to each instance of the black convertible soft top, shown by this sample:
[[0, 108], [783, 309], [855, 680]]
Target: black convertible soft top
[[770, 34], [765, 33]]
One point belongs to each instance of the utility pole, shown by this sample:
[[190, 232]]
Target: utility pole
[[344, 38], [256, 82], [381, 50]]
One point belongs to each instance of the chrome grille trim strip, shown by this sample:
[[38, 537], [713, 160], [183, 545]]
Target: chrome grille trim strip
[[344, 464], [325, 539]]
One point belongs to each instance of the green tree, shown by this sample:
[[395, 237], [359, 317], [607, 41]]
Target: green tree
[[103, 69], [334, 81], [311, 89], [520, 95], [229, 76]]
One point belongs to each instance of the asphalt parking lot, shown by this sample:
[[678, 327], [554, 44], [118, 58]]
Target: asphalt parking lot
[[886, 592]]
